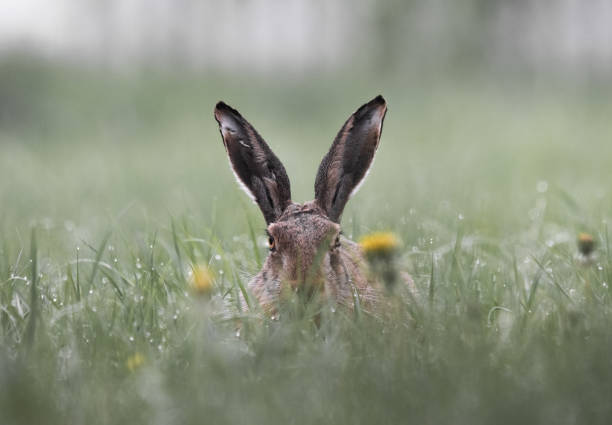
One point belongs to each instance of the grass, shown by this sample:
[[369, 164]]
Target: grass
[[112, 187]]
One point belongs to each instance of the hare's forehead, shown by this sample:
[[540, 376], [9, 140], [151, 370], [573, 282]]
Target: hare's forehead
[[294, 210], [303, 225]]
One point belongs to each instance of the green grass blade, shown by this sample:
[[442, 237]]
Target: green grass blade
[[31, 329], [253, 237], [177, 251], [99, 254]]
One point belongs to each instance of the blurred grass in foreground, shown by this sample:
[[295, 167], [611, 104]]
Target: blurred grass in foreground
[[125, 181]]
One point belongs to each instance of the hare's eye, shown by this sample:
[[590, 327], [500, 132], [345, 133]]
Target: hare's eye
[[337, 242], [271, 243]]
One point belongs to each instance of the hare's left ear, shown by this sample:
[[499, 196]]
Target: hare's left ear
[[346, 164], [257, 169]]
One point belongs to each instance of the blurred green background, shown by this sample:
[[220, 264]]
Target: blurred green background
[[495, 154], [106, 106]]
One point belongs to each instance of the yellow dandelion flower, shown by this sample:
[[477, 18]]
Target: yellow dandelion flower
[[201, 279], [379, 243], [586, 244], [135, 361]]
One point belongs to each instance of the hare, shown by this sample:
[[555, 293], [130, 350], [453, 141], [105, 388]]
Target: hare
[[306, 249]]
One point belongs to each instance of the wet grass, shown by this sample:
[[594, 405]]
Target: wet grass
[[113, 187]]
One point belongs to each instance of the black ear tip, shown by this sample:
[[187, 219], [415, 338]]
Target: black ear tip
[[223, 109], [378, 100], [221, 106], [375, 107]]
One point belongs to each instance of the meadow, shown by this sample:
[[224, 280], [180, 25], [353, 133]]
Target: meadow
[[113, 186]]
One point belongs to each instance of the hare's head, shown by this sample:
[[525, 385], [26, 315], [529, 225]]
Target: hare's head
[[305, 244]]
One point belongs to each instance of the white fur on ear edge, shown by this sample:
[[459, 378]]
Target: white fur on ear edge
[[365, 176], [242, 185], [363, 179]]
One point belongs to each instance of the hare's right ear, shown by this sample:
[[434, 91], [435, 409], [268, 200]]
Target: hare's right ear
[[257, 169], [346, 164]]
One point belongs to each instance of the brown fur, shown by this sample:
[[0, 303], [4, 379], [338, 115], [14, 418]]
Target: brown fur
[[300, 233], [308, 252]]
